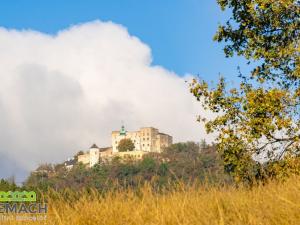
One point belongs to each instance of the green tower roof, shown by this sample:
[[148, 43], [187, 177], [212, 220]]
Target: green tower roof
[[123, 131]]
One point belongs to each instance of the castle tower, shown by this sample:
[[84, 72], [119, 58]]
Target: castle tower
[[94, 155], [123, 131], [116, 137]]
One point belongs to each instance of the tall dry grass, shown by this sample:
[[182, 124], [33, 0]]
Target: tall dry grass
[[272, 204]]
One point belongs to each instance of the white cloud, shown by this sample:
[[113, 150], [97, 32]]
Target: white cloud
[[61, 93]]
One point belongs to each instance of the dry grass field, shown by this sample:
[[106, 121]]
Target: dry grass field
[[273, 204]]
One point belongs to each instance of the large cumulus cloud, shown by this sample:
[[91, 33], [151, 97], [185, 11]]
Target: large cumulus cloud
[[61, 93]]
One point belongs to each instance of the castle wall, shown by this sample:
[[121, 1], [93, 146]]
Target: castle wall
[[85, 159], [133, 155], [147, 139]]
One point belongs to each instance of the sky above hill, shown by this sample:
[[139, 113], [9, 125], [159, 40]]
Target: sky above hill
[[179, 33], [71, 71]]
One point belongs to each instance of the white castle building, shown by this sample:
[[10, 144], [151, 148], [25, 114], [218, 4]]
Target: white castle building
[[147, 139], [94, 154]]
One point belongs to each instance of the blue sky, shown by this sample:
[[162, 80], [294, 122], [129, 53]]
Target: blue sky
[[180, 35], [179, 32]]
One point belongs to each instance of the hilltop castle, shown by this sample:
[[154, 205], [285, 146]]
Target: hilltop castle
[[145, 140]]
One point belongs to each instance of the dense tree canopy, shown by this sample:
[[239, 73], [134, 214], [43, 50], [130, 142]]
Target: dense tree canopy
[[181, 162], [266, 30], [262, 115], [125, 145], [7, 185]]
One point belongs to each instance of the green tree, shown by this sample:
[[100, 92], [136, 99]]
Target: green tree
[[7, 185], [125, 145], [262, 115], [186, 162]]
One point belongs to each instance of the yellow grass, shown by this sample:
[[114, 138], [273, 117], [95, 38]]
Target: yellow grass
[[265, 205]]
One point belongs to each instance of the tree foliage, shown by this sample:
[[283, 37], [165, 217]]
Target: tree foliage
[[262, 115], [125, 145], [266, 30], [7, 185], [182, 162]]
